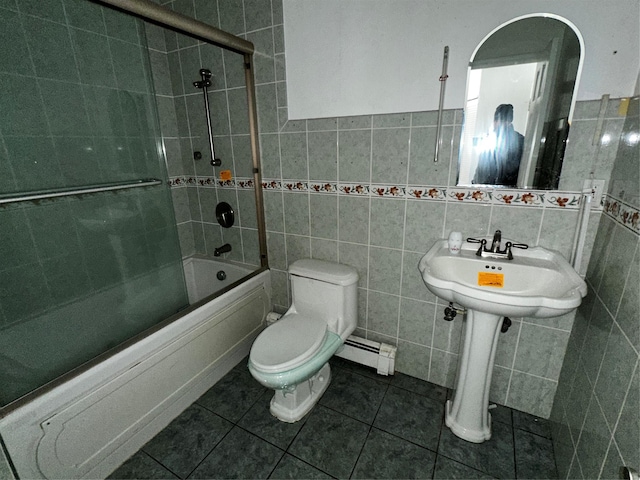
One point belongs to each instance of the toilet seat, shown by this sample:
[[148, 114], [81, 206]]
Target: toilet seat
[[288, 343]]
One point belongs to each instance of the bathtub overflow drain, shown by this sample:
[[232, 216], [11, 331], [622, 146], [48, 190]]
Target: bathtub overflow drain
[[221, 275]]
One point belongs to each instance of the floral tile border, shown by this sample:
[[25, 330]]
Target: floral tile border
[[295, 185], [354, 189], [271, 185], [210, 182], [245, 183], [182, 181], [497, 196], [427, 193], [519, 198], [388, 191], [469, 195], [623, 213], [323, 187], [570, 200]]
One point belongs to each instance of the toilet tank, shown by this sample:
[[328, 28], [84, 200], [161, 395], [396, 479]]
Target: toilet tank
[[327, 291]]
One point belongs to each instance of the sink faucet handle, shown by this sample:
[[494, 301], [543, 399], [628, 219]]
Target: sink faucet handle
[[482, 242], [509, 245]]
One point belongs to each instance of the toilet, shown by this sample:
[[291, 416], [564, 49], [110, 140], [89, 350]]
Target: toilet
[[291, 356]]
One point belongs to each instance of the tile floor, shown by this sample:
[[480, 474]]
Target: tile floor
[[365, 426]]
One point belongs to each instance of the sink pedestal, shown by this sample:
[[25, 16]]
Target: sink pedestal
[[468, 414]]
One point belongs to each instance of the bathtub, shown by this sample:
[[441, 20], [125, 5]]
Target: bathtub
[[88, 425]]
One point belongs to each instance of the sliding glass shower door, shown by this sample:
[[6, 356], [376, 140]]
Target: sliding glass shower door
[[89, 252]]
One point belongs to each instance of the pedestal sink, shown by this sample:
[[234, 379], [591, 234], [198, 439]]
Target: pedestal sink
[[537, 283]]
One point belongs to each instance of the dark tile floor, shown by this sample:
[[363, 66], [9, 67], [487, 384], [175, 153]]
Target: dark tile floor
[[364, 426]]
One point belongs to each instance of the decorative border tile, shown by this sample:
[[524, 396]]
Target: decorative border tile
[[182, 181], [354, 189], [518, 197], [569, 200], [207, 182], [469, 195], [497, 196], [244, 183], [387, 191], [427, 193], [271, 185], [295, 185], [326, 187], [623, 213], [213, 182]]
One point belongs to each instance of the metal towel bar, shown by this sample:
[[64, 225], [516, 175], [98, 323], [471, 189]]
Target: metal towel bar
[[64, 192]]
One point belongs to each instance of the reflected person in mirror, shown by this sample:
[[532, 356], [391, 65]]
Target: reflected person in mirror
[[499, 164]]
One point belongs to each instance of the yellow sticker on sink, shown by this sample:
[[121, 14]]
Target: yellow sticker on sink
[[488, 279]]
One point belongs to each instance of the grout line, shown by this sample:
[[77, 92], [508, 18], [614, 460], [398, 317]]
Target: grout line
[[164, 467], [513, 362]]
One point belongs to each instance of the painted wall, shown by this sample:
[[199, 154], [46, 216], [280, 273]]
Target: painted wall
[[596, 413], [375, 56], [399, 202]]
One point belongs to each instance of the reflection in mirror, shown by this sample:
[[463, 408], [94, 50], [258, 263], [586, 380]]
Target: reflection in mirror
[[519, 101]]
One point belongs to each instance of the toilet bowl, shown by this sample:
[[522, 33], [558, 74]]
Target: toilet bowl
[[291, 356]]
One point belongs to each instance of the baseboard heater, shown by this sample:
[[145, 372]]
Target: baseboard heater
[[380, 356]]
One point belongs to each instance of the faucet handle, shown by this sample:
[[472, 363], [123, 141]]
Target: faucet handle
[[482, 242], [509, 245]]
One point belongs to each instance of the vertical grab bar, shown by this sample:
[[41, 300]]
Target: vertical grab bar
[[443, 81], [203, 84]]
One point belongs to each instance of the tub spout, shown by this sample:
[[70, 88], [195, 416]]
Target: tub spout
[[223, 249]]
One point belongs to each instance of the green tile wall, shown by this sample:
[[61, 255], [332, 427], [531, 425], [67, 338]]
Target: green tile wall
[[77, 272], [596, 413]]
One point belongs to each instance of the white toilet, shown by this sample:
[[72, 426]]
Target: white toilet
[[291, 356]]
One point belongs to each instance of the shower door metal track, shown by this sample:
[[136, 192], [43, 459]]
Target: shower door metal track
[[65, 192], [148, 10]]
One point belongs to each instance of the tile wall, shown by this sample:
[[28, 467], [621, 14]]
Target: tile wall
[[196, 186], [365, 192], [596, 413]]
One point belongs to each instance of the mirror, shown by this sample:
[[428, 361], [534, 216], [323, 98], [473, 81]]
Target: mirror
[[519, 102]]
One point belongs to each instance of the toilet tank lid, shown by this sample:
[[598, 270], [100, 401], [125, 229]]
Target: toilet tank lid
[[324, 271]]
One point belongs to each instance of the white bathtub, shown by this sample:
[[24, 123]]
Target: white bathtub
[[201, 276], [87, 426]]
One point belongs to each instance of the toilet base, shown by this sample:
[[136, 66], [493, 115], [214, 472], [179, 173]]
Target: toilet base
[[291, 405]]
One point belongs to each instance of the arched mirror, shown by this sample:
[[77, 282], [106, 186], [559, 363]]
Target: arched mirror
[[519, 102]]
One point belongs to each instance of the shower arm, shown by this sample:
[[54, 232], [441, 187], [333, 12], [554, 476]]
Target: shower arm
[[203, 84]]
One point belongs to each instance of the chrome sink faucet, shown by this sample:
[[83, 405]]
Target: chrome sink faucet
[[494, 251], [495, 244]]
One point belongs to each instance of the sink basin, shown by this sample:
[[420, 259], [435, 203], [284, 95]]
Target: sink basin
[[537, 283]]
